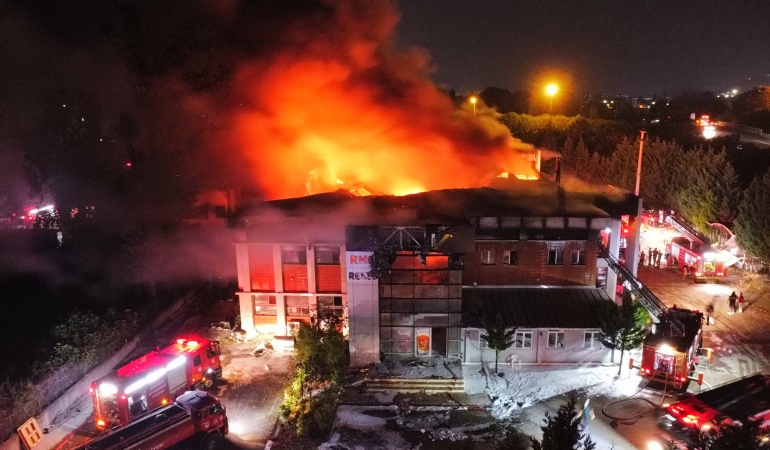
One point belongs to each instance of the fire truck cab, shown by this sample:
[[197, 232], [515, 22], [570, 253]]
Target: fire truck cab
[[154, 380], [668, 356]]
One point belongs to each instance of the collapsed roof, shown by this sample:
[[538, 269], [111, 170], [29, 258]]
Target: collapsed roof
[[506, 198]]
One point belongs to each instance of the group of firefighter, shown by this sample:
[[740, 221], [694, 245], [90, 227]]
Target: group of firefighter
[[653, 258]]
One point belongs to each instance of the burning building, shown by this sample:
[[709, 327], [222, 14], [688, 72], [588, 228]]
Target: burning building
[[414, 275]]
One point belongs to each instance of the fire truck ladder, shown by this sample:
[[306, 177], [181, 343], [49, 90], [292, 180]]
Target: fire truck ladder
[[688, 230], [654, 306]]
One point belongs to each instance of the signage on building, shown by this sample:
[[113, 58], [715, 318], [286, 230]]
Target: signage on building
[[422, 341], [359, 266]]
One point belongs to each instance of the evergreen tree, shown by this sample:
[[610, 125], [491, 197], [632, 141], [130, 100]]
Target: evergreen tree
[[620, 326], [564, 430], [753, 224], [513, 440], [498, 337]]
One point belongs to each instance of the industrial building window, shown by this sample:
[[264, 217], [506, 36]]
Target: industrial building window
[[523, 340], [297, 311], [197, 360], [327, 255], [511, 258], [264, 305], [578, 257], [291, 255], [591, 340], [487, 257], [555, 339], [555, 257]]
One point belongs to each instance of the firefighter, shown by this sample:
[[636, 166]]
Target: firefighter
[[651, 257], [641, 259], [740, 303], [732, 300]]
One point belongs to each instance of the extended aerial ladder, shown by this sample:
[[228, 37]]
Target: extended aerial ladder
[[688, 230], [650, 301]]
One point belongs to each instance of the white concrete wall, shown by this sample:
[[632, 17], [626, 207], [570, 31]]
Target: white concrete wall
[[48, 418], [572, 353]]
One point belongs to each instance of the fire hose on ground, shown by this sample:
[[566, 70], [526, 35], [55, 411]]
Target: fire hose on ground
[[630, 420]]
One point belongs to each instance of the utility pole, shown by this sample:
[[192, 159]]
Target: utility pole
[[643, 135]]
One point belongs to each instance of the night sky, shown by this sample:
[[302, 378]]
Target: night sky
[[627, 47]]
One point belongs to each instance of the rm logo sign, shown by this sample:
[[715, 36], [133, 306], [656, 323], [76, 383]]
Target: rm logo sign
[[30, 433]]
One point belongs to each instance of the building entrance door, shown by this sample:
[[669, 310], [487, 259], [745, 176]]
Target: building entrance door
[[438, 343]]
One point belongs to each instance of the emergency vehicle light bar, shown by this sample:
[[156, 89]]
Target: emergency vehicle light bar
[[154, 375]]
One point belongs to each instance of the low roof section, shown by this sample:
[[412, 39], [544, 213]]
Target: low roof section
[[534, 307]]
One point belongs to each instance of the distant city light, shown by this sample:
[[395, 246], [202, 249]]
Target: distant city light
[[735, 91]]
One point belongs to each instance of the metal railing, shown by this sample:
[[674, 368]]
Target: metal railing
[[649, 300]]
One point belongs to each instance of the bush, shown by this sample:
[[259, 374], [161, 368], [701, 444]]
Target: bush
[[310, 401]]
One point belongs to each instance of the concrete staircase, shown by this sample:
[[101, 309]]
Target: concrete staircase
[[416, 385]]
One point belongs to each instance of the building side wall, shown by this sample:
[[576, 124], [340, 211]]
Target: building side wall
[[532, 266], [573, 352], [265, 276]]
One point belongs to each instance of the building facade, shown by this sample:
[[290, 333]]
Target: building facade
[[404, 273]]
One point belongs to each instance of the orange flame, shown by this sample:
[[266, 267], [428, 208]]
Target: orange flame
[[344, 109]]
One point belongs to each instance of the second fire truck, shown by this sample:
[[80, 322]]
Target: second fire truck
[[154, 380]]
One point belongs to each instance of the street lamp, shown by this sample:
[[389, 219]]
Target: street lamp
[[473, 101]]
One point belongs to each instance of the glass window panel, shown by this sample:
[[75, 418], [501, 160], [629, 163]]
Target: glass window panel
[[385, 346], [430, 305], [402, 319], [403, 334], [430, 320], [385, 305], [453, 333], [454, 305], [453, 348], [384, 333], [455, 319], [403, 305], [384, 319]]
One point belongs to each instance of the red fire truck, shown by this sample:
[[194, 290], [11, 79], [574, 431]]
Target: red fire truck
[[154, 380], [669, 350], [195, 416], [709, 264]]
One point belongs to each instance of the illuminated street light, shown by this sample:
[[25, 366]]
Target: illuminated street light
[[709, 132], [473, 101], [735, 91]]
